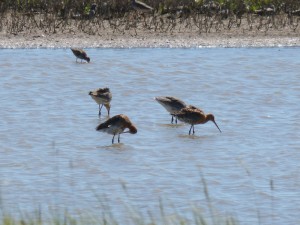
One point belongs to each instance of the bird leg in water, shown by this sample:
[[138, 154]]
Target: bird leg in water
[[191, 129], [119, 138], [112, 141], [100, 107], [172, 120]]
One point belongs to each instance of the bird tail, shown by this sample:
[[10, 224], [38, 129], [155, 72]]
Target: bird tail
[[106, 89], [73, 50], [102, 126]]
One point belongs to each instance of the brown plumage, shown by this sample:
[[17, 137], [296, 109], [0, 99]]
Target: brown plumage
[[116, 126], [81, 54], [172, 105], [194, 116], [102, 96]]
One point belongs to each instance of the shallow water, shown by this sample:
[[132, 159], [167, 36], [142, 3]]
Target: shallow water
[[51, 155]]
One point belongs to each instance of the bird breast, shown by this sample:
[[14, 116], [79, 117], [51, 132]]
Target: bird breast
[[99, 99], [187, 119], [112, 129]]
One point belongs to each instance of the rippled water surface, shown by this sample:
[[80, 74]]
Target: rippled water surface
[[52, 157]]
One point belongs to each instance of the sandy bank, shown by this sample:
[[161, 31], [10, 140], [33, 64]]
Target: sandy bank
[[140, 37]]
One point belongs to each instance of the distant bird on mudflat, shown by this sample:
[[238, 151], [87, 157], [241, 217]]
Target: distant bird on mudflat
[[194, 116], [102, 96], [80, 54], [172, 105], [116, 126], [141, 6]]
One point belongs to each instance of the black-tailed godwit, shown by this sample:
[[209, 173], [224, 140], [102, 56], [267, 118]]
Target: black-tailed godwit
[[116, 126], [194, 116], [102, 96], [80, 54]]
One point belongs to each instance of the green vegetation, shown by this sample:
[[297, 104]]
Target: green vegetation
[[119, 7], [106, 216], [134, 219], [118, 16]]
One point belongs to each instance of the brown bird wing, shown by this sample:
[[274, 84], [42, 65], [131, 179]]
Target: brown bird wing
[[75, 51], [177, 102], [83, 53], [195, 108], [191, 116], [104, 94], [103, 125], [115, 120], [118, 120], [103, 90], [171, 103], [79, 52]]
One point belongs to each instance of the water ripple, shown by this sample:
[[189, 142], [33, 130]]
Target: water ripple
[[50, 147]]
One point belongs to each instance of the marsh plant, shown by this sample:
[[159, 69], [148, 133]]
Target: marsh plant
[[134, 218], [165, 214], [95, 17]]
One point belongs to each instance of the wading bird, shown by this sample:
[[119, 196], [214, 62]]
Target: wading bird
[[102, 96], [116, 126], [80, 54], [172, 105], [194, 116]]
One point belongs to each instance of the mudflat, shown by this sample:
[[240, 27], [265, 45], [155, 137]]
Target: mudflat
[[261, 32]]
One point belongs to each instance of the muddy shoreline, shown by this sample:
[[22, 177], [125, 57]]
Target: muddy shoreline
[[86, 41], [140, 37]]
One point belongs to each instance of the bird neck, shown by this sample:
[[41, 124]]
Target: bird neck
[[209, 117]]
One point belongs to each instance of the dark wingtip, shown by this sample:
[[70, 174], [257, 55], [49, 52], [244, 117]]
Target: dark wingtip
[[99, 127]]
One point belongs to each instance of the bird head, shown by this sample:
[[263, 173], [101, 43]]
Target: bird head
[[132, 129], [88, 59], [212, 118]]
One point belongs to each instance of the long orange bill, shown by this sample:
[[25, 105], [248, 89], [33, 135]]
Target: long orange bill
[[217, 126]]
